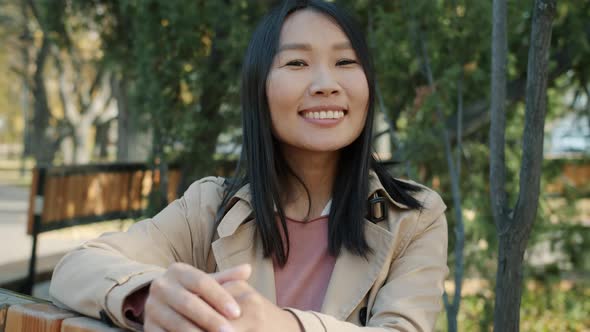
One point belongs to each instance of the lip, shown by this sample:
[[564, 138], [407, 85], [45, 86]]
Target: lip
[[326, 123]]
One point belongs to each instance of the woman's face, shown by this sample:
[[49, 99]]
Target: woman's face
[[317, 90]]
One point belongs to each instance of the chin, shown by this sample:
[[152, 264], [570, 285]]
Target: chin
[[325, 146]]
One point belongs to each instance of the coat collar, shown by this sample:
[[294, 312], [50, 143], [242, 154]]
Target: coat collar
[[241, 208]]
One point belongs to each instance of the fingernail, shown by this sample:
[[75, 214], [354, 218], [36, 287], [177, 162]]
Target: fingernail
[[226, 328], [233, 309]]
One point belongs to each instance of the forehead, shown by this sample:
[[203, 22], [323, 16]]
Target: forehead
[[309, 26]]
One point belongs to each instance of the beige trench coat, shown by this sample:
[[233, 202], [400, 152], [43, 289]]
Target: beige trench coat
[[398, 288]]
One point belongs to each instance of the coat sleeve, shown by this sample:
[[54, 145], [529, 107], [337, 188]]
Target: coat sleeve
[[95, 278], [411, 298]]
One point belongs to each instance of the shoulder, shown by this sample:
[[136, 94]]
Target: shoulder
[[206, 193], [207, 185], [432, 203]]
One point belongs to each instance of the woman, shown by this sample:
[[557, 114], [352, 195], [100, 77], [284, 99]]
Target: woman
[[313, 235]]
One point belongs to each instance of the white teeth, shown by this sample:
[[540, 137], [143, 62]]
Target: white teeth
[[324, 115]]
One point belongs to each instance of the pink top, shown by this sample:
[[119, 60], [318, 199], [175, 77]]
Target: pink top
[[303, 281]]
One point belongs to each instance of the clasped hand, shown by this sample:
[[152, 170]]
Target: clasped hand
[[188, 299]]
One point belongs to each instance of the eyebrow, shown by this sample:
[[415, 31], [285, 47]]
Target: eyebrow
[[307, 47]]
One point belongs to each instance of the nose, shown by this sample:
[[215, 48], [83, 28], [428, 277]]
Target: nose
[[324, 83]]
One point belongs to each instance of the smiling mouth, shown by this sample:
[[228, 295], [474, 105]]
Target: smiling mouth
[[324, 115]]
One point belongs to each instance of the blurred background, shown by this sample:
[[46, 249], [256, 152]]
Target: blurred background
[[157, 83]]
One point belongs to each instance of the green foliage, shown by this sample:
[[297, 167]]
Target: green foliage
[[555, 306], [11, 124], [183, 60], [552, 306]]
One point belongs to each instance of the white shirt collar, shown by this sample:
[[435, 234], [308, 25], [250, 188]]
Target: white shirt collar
[[326, 211]]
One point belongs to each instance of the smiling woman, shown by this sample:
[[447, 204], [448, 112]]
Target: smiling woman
[[317, 90], [310, 235]]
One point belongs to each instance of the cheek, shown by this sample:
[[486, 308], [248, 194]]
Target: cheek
[[282, 92], [357, 89], [282, 103], [271, 91]]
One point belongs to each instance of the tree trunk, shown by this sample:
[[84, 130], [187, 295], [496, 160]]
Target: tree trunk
[[41, 140], [514, 228], [498, 113], [67, 149], [82, 145], [159, 169], [102, 139], [26, 42], [508, 283], [119, 87]]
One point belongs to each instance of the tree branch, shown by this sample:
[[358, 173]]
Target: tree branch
[[536, 105], [101, 101], [498, 116], [459, 146], [446, 302], [477, 114], [35, 12], [97, 79], [68, 107], [455, 189]]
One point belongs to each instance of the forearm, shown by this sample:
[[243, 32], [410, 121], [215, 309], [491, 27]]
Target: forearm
[[92, 280]]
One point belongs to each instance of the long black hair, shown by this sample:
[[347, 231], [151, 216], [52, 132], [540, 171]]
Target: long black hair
[[263, 166]]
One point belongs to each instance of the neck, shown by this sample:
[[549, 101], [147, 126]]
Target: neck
[[317, 170]]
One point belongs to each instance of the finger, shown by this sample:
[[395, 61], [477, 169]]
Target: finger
[[207, 288], [196, 310], [166, 319], [240, 272], [239, 290], [149, 326]]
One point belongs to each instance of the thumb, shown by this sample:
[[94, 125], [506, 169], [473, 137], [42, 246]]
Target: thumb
[[240, 272]]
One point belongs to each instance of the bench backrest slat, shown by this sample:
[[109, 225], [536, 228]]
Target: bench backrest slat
[[74, 195]]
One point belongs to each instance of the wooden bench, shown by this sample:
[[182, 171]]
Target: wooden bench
[[20, 313], [67, 196]]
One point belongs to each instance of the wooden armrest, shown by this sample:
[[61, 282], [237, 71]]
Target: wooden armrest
[[86, 324], [7, 299], [20, 313], [36, 317]]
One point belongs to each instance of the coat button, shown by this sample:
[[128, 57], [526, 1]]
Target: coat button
[[363, 316]]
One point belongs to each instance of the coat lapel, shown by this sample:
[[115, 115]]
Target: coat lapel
[[353, 275], [238, 244]]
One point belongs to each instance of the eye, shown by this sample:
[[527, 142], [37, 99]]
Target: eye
[[345, 62], [296, 63]]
